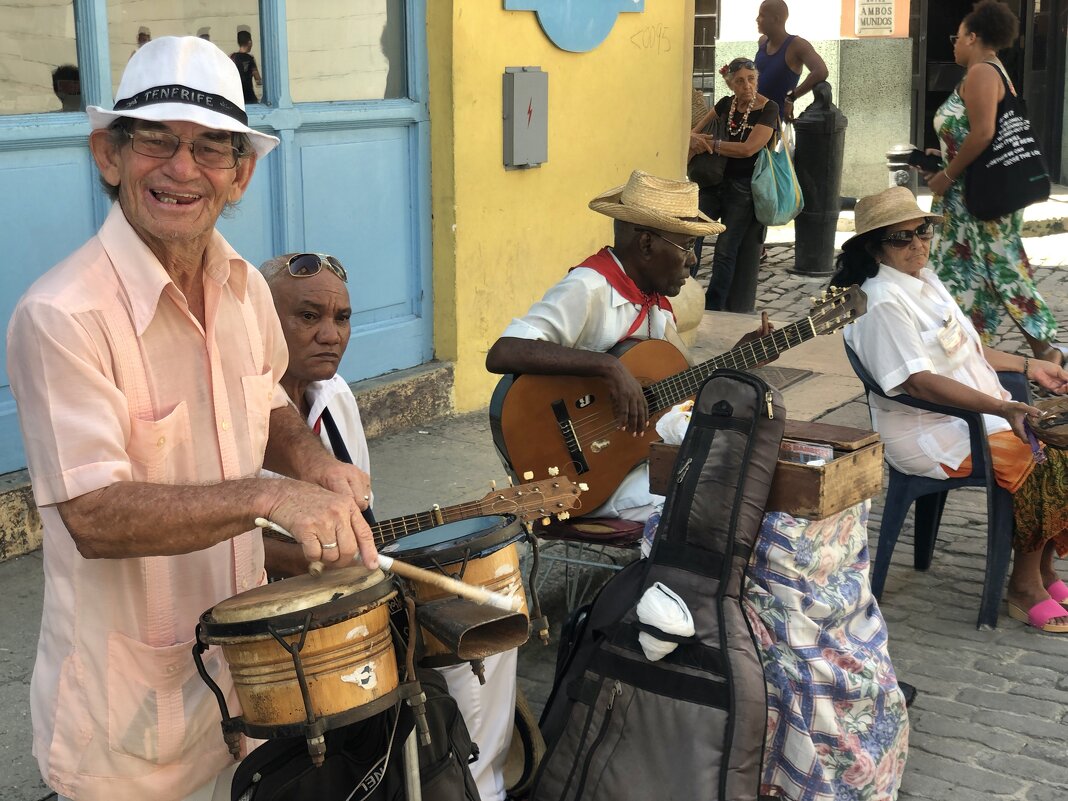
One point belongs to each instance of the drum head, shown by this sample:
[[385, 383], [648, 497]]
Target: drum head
[[454, 542], [283, 604]]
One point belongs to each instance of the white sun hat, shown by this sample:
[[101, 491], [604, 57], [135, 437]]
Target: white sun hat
[[182, 79]]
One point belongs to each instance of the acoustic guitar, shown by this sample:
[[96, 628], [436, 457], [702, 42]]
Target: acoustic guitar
[[531, 501], [541, 420]]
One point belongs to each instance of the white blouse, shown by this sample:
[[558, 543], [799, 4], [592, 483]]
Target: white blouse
[[913, 325]]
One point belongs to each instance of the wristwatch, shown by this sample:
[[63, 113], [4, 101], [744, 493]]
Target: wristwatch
[[790, 96]]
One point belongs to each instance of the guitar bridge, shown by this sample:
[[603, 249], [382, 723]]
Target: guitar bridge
[[567, 430]]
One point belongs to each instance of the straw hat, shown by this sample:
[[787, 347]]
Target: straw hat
[[889, 207], [182, 79], [659, 203]]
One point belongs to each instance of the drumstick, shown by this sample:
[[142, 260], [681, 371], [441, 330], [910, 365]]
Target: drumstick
[[480, 595]]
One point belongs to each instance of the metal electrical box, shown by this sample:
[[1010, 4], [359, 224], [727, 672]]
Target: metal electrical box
[[526, 119]]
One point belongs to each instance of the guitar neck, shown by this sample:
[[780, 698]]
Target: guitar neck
[[674, 389], [386, 531]]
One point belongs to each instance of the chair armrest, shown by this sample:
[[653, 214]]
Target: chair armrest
[[1018, 386]]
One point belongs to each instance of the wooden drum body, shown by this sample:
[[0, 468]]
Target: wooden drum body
[[481, 551], [306, 654]]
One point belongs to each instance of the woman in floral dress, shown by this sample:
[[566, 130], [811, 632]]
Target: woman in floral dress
[[983, 263]]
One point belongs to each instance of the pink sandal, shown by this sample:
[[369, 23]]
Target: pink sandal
[[1040, 616], [1058, 591]]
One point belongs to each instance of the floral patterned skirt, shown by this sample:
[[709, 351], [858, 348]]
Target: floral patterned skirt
[[837, 724]]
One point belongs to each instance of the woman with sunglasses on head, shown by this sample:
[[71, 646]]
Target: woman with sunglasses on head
[[914, 339], [983, 263], [750, 120]]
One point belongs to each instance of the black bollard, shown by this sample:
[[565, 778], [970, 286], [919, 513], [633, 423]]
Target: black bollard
[[818, 161]]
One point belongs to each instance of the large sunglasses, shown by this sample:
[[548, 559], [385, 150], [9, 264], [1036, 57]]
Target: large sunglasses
[[740, 64], [305, 265], [902, 239]]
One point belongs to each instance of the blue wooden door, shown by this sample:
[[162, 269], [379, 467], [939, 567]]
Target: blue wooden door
[[351, 176]]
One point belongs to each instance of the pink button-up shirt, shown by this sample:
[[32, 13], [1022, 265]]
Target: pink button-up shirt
[[116, 380]]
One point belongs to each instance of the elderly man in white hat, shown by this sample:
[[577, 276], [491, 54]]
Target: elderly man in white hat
[[621, 292], [146, 369]]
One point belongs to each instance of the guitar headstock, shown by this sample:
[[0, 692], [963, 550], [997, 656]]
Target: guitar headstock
[[534, 500], [837, 307]]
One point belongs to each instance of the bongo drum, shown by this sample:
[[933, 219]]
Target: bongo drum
[[480, 551], [307, 654]]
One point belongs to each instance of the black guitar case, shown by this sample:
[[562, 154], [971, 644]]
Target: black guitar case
[[689, 727]]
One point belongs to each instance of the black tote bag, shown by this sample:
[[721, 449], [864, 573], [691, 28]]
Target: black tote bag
[[706, 169], [1011, 173]]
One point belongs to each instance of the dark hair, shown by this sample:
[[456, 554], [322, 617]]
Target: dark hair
[[857, 262], [244, 38], [119, 133], [994, 23], [64, 72]]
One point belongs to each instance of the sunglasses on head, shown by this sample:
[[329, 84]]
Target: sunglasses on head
[[739, 64], [902, 239], [305, 265]]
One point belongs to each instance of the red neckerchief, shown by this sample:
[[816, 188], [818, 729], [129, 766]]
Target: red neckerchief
[[605, 264]]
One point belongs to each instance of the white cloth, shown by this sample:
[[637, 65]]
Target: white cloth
[[902, 334], [489, 712], [662, 608], [488, 709], [583, 311], [334, 394]]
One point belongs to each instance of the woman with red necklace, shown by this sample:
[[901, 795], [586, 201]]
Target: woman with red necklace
[[750, 119]]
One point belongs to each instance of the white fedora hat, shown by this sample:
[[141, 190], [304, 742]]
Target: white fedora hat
[[182, 79], [660, 203]]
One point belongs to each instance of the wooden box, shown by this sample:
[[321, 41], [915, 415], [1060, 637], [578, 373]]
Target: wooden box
[[808, 491]]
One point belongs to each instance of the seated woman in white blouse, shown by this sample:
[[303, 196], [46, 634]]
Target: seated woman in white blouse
[[915, 339]]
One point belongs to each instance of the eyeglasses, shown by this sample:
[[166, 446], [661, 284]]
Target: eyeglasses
[[216, 155], [689, 251], [305, 265], [902, 239], [953, 37]]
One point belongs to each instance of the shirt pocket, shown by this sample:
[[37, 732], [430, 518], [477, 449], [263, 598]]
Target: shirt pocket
[[944, 362], [259, 394], [151, 693], [153, 446]]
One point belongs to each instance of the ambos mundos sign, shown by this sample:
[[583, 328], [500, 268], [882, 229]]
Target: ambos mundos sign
[[875, 18]]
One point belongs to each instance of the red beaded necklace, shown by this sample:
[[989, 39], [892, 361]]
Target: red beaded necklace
[[737, 129]]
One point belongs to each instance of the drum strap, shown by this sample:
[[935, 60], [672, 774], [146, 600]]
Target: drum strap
[[341, 452]]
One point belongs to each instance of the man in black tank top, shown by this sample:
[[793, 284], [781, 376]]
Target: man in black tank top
[[781, 57]]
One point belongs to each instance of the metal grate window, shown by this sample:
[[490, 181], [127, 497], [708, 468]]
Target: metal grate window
[[705, 33]]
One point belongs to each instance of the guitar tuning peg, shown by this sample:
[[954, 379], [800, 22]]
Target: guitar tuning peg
[[823, 295], [584, 486], [510, 482], [493, 485], [528, 475], [554, 472], [563, 516], [545, 521], [814, 299]]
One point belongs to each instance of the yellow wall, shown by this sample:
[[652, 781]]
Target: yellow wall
[[501, 238]]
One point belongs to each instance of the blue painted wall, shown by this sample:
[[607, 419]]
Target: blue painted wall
[[350, 178]]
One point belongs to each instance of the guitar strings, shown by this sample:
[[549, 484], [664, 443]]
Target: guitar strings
[[683, 385]]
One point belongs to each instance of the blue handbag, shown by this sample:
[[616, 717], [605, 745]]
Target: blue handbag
[[777, 197]]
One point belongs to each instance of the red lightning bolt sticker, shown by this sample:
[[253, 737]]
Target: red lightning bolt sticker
[[530, 110]]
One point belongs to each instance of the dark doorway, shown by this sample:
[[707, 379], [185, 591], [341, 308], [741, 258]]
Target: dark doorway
[[1036, 65]]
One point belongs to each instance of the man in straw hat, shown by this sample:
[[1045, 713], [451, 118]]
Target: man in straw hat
[[145, 367], [621, 292]]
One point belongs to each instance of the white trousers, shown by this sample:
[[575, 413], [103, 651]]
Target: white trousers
[[489, 712], [218, 789]]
